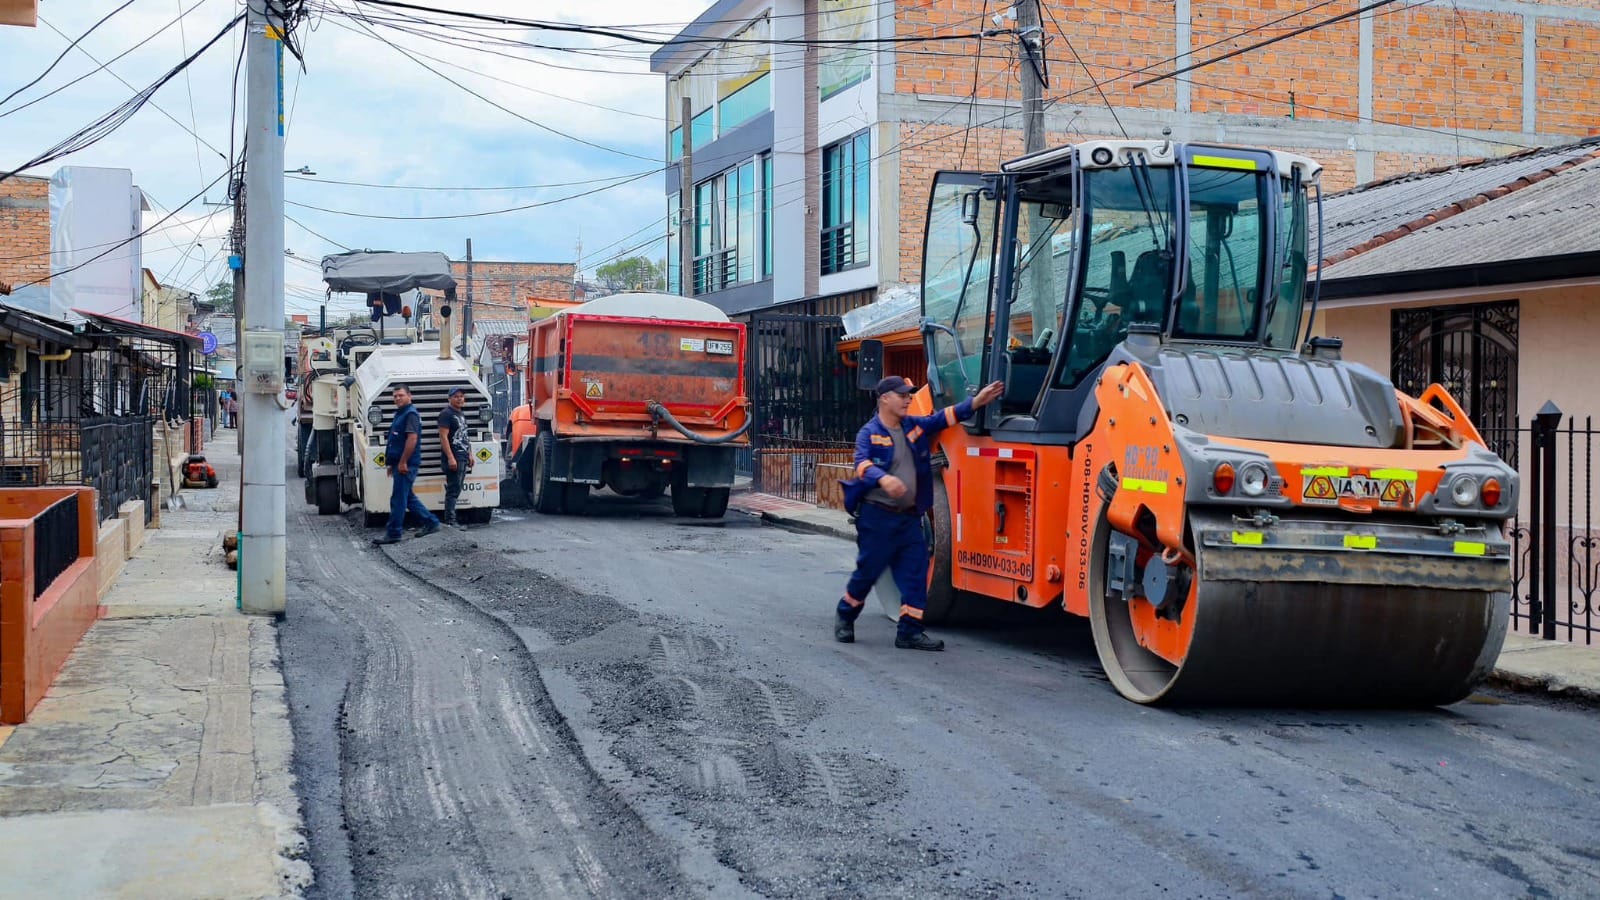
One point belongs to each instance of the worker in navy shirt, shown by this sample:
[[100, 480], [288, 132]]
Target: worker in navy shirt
[[403, 453], [894, 469]]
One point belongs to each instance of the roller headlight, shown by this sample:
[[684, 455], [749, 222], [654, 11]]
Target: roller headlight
[[1464, 490], [485, 414], [1253, 479], [374, 415]]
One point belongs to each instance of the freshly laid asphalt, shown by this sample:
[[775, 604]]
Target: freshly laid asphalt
[[489, 709]]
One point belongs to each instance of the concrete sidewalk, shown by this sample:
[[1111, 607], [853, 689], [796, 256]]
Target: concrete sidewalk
[[1526, 662], [158, 765]]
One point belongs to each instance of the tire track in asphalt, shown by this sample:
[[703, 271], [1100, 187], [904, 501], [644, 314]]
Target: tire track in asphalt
[[456, 780]]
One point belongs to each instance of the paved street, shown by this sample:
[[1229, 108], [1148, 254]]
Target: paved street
[[630, 704]]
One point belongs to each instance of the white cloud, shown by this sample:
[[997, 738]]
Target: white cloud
[[364, 112]]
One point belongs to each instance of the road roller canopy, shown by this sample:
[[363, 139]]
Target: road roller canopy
[[1054, 258]]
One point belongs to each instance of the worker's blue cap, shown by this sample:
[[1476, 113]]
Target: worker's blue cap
[[461, 391], [893, 384]]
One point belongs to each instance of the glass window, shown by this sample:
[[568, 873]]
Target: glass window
[[746, 103], [956, 253], [846, 204], [766, 216], [702, 129], [1127, 262], [674, 257], [675, 144], [1283, 322], [1227, 252], [726, 228]]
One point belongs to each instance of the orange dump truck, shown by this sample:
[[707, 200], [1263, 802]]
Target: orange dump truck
[[635, 392]]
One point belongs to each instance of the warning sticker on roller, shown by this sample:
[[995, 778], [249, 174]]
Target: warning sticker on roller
[[1388, 488]]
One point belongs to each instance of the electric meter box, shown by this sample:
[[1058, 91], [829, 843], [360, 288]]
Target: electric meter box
[[261, 361]]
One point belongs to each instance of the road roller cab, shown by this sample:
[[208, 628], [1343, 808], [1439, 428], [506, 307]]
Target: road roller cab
[[1243, 515]]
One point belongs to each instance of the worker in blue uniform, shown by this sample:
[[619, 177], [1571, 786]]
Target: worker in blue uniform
[[890, 494]]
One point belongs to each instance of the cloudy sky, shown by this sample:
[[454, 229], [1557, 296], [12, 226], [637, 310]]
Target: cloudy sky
[[367, 109]]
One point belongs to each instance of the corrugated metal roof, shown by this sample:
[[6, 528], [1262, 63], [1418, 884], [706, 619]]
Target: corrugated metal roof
[[482, 327], [1553, 217], [1359, 215]]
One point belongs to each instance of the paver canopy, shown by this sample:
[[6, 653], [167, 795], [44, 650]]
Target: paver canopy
[[386, 272]]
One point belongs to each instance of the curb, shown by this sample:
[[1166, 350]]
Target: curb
[[827, 529], [1525, 683]]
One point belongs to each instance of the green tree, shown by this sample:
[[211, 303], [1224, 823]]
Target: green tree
[[631, 274], [221, 295]]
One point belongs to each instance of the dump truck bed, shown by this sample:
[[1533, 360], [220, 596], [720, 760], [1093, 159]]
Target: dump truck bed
[[597, 376]]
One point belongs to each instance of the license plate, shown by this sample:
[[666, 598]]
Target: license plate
[[720, 348]]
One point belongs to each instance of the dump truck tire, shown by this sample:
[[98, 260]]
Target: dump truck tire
[[687, 501], [715, 505], [575, 499], [548, 496], [302, 462]]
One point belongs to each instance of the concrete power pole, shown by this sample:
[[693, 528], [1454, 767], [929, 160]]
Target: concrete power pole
[[686, 205], [466, 314], [263, 548], [1030, 36]]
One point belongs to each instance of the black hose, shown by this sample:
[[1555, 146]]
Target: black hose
[[657, 411]]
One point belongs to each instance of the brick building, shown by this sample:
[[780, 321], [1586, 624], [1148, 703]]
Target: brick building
[[810, 167], [500, 289], [24, 231]]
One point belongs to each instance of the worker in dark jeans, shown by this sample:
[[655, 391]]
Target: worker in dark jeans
[[895, 471], [455, 451], [403, 452]]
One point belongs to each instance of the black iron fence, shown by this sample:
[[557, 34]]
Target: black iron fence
[[803, 397], [96, 432], [55, 542], [1556, 535], [796, 468]]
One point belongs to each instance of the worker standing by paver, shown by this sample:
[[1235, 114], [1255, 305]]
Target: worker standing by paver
[[455, 451], [894, 484], [404, 452]]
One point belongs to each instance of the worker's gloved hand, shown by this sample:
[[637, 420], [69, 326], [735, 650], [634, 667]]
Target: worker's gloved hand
[[892, 486]]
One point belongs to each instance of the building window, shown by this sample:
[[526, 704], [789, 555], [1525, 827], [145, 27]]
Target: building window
[[746, 103], [766, 216], [702, 129], [675, 144], [727, 229], [674, 258], [846, 195]]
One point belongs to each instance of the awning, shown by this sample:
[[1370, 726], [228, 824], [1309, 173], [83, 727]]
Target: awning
[[386, 272], [29, 325], [121, 327]]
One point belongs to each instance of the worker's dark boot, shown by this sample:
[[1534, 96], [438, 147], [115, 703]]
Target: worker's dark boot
[[918, 641], [844, 630], [430, 528]]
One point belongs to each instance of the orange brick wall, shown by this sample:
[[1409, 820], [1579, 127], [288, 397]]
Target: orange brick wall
[[502, 287], [24, 230], [1441, 68], [1321, 67], [1569, 71]]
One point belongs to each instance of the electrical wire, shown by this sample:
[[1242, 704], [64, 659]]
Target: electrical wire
[[473, 215], [57, 61], [106, 124], [1331, 20]]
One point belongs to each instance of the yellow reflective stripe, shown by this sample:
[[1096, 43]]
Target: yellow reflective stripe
[[1394, 474], [1225, 162], [1252, 538], [1360, 542], [1330, 471], [1470, 548], [274, 33], [1145, 485]]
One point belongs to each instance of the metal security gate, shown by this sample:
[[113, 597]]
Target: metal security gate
[[1472, 351], [806, 405]]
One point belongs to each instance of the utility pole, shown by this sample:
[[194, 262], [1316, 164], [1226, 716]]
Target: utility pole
[[263, 547], [686, 203], [466, 313], [1030, 38]]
